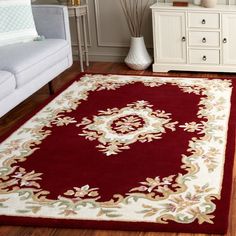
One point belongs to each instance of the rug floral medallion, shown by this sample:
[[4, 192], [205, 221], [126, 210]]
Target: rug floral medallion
[[114, 148]]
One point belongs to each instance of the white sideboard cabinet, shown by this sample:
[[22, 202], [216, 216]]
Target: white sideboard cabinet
[[194, 38]]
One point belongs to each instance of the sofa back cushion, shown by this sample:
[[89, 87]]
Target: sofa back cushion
[[16, 22]]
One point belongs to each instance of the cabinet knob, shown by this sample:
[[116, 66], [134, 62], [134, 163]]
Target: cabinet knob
[[224, 40], [183, 39], [203, 21], [204, 40], [204, 58]]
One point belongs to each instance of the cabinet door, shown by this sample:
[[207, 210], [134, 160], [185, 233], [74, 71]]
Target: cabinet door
[[169, 37], [229, 39]]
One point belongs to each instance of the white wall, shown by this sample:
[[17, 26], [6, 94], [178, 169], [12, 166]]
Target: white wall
[[109, 34]]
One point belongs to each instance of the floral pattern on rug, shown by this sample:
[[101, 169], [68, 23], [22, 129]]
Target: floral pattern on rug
[[193, 194], [116, 129]]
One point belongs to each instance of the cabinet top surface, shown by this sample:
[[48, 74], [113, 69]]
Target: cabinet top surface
[[169, 6]]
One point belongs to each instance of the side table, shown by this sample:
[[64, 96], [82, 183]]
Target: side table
[[81, 13]]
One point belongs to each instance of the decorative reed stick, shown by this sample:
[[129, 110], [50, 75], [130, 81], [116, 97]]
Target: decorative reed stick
[[134, 11]]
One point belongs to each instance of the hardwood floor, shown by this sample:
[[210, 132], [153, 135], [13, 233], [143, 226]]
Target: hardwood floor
[[29, 105]]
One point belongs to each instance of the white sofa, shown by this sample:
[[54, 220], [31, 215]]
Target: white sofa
[[26, 67]]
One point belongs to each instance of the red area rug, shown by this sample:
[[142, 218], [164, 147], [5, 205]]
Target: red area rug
[[124, 152]]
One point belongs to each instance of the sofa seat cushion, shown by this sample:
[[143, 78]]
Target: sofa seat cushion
[[7, 84], [27, 60]]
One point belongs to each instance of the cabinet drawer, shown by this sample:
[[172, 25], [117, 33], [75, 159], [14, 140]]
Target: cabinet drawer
[[201, 38], [204, 56], [204, 20]]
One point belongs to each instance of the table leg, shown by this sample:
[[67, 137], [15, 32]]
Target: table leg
[[80, 51], [85, 40]]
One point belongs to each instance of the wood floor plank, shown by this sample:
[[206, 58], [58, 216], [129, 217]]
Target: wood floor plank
[[31, 104], [73, 232]]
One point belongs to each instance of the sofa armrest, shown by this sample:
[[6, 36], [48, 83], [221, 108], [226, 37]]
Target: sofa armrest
[[52, 21]]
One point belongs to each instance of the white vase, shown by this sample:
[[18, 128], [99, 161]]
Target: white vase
[[209, 3], [138, 57]]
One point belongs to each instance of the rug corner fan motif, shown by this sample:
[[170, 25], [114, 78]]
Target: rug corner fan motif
[[126, 149]]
